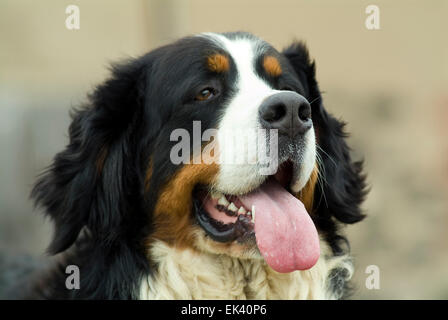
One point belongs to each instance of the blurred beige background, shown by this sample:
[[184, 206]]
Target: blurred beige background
[[390, 85]]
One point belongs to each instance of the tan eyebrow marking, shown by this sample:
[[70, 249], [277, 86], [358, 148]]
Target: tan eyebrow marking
[[218, 63], [272, 66]]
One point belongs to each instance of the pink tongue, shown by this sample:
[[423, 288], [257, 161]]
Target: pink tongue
[[286, 235]]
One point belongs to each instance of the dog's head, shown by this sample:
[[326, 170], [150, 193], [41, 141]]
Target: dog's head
[[217, 142]]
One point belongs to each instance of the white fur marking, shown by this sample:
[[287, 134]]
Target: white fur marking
[[242, 112], [188, 274]]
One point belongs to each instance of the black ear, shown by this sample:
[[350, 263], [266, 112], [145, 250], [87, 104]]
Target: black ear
[[343, 183], [90, 183]]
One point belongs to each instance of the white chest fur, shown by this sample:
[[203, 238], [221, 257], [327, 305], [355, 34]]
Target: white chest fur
[[187, 274]]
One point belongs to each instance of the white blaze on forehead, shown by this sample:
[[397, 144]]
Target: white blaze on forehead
[[251, 90], [240, 118]]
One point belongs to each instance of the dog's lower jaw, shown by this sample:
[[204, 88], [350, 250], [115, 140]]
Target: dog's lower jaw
[[190, 274]]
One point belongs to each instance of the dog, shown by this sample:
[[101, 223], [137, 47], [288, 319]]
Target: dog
[[140, 225]]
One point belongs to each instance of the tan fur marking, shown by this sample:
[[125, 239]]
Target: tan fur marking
[[172, 214], [306, 195], [218, 63], [101, 159], [148, 176], [272, 66]]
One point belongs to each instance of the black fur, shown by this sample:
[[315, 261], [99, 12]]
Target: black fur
[[95, 193], [344, 187]]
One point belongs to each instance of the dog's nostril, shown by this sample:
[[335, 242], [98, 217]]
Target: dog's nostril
[[304, 111], [274, 113]]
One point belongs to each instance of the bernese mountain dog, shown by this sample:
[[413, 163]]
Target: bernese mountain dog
[[142, 217]]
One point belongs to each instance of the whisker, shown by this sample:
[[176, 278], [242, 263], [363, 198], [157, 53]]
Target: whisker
[[329, 157], [321, 179], [314, 100]]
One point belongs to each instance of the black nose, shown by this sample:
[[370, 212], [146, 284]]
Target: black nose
[[288, 112]]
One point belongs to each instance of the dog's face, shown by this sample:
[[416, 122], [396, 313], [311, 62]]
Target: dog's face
[[234, 86], [244, 181]]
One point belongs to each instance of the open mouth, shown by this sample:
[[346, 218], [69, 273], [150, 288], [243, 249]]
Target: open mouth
[[284, 232]]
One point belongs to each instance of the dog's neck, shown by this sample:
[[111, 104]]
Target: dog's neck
[[187, 274]]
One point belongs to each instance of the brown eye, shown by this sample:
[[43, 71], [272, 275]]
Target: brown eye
[[205, 94]]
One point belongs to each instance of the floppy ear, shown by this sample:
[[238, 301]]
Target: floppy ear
[[91, 182], [343, 182]]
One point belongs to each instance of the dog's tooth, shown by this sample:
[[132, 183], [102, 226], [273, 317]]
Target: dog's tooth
[[242, 210], [253, 214], [216, 195], [232, 207], [223, 201]]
